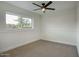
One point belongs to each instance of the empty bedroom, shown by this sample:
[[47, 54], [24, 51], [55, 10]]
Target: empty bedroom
[[39, 28]]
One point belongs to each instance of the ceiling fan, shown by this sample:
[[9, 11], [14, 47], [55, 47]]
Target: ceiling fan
[[44, 6]]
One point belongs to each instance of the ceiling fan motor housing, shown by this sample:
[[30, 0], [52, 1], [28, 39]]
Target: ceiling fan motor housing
[[43, 4]]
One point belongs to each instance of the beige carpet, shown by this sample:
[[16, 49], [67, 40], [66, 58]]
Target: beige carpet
[[43, 48]]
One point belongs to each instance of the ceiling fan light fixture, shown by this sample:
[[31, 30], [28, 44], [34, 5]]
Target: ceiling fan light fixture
[[43, 9]]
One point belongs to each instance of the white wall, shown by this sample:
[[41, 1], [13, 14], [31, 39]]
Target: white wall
[[60, 26], [78, 26], [10, 39]]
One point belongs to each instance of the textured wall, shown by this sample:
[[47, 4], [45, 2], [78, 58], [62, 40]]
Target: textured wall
[[60, 26], [10, 39]]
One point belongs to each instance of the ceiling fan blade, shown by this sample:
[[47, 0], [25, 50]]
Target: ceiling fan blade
[[37, 9], [37, 5], [48, 4], [50, 8]]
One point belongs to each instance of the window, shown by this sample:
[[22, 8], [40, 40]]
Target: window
[[13, 21]]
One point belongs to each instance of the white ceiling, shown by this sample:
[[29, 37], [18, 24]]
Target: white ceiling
[[58, 5]]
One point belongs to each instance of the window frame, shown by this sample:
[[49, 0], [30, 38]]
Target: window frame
[[28, 28]]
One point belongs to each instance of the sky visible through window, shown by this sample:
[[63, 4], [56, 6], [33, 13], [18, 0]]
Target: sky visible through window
[[11, 19]]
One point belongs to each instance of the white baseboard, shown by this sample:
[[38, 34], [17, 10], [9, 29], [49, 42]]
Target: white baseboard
[[18, 45], [30, 41], [60, 42]]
